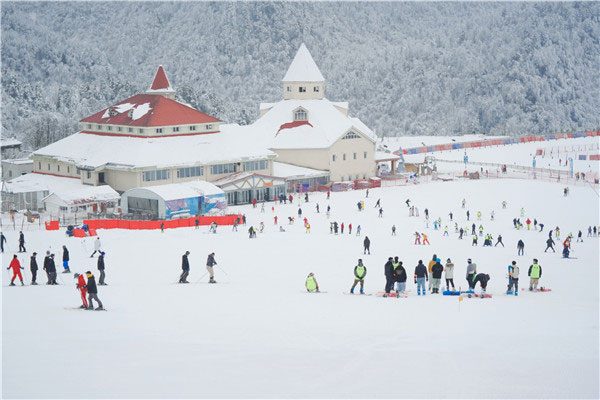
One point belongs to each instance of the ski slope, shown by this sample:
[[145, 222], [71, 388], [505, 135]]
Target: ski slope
[[257, 333]]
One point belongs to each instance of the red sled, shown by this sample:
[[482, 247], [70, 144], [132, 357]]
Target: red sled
[[484, 296]]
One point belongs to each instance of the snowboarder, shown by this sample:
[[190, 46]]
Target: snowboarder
[[399, 276], [534, 273], [16, 267], [389, 275], [50, 269], [210, 263], [81, 286], [97, 246], [366, 244], [499, 241], [520, 247], [393, 230], [311, 283], [483, 280], [360, 271], [471, 271], [2, 241], [449, 274], [436, 276], [185, 266], [420, 277], [65, 260], [513, 279], [33, 267], [22, 242], [92, 291], [100, 267]]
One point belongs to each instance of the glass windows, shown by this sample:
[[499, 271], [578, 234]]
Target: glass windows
[[222, 169], [190, 172], [316, 89], [175, 129], [300, 115], [351, 135], [255, 165], [158, 130], [333, 158], [355, 159], [344, 156], [208, 127], [365, 154], [302, 89], [156, 175]]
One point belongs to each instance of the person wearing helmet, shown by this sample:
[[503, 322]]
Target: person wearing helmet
[[82, 288], [360, 271], [92, 291], [311, 283]]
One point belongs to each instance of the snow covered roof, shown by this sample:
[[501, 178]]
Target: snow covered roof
[[290, 171], [18, 161], [36, 182], [9, 142], [84, 194], [383, 156], [326, 124], [87, 150], [160, 82], [303, 68], [149, 110], [183, 190]]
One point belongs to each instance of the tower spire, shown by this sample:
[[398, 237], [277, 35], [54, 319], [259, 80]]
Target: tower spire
[[303, 80], [160, 84]]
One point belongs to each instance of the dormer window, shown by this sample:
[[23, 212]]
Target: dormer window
[[130, 113], [300, 115], [351, 135], [316, 89], [302, 89], [112, 112]]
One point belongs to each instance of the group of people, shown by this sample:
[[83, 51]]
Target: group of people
[[185, 266]]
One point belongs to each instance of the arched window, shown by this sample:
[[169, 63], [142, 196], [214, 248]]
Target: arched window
[[300, 115]]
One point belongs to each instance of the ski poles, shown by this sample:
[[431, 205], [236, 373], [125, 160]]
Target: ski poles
[[199, 279], [222, 270]]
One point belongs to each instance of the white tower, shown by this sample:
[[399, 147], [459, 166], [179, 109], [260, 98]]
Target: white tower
[[303, 80]]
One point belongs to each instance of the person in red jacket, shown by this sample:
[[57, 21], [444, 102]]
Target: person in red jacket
[[16, 266], [528, 222], [81, 286]]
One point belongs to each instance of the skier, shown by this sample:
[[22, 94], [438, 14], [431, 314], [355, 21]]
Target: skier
[[389, 275], [349, 229], [471, 271], [275, 220], [480, 230], [358, 232], [420, 277], [417, 238], [342, 228], [210, 263], [446, 230], [317, 207], [541, 227], [436, 276], [50, 269], [97, 246], [262, 207], [450, 215], [243, 219], [528, 222], [513, 279], [534, 273], [579, 239], [425, 239], [360, 271], [185, 266], [535, 223], [461, 231], [197, 223], [2, 241], [474, 240], [429, 269], [449, 274], [311, 283], [589, 231], [492, 215], [162, 227], [426, 213], [65, 260], [100, 267], [366, 244], [407, 202], [81, 286], [307, 226], [299, 212], [378, 204], [399, 276], [479, 215], [33, 267], [504, 203], [566, 248], [464, 203], [483, 280], [473, 229], [92, 291], [236, 222], [22, 242], [306, 197], [557, 232], [499, 241], [522, 212], [335, 227], [358, 205], [16, 267], [367, 194], [468, 215], [520, 248], [380, 212], [393, 230]]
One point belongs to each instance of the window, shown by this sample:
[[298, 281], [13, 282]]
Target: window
[[48, 166], [156, 175], [57, 168], [39, 165], [190, 172], [365, 154], [300, 115], [357, 177], [68, 170], [333, 158], [89, 126], [78, 171], [140, 130], [10, 173], [192, 127], [355, 159], [119, 129], [289, 88], [63, 209], [344, 156], [109, 127], [89, 175], [316, 89], [100, 177], [175, 129], [158, 130], [99, 126], [255, 165], [364, 176], [130, 130], [302, 89], [351, 135], [222, 169], [208, 126]]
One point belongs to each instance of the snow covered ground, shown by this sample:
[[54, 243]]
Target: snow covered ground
[[257, 333]]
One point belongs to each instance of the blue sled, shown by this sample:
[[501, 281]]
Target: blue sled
[[468, 292], [450, 293]]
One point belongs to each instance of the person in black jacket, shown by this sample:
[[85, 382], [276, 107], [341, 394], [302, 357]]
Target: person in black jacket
[[34, 268], [483, 280], [101, 268], [185, 266], [2, 241], [389, 275], [65, 260], [22, 242], [50, 269], [420, 277], [210, 263], [520, 248], [436, 276], [399, 276], [92, 290], [550, 245], [367, 245]]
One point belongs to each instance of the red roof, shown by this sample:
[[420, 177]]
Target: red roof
[[160, 80], [162, 112], [293, 125]]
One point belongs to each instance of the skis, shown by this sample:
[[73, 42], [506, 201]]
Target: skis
[[480, 296], [538, 290], [392, 294], [307, 292], [357, 294], [84, 309]]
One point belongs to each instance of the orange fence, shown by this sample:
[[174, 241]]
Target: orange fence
[[168, 224]]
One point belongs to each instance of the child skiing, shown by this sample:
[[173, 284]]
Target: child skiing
[[311, 283]]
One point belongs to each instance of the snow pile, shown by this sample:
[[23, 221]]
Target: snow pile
[[284, 170], [34, 182], [86, 194], [184, 190]]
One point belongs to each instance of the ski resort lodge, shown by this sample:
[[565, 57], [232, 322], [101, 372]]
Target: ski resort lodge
[[150, 144]]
